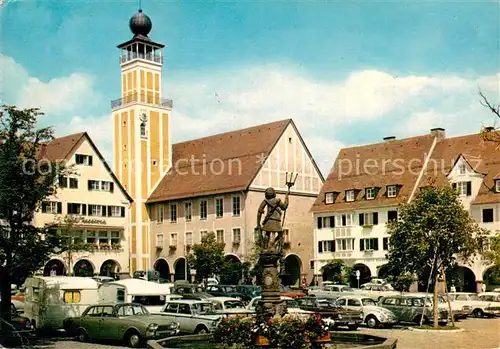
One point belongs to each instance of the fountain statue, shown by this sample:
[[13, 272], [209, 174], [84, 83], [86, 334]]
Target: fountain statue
[[269, 234]]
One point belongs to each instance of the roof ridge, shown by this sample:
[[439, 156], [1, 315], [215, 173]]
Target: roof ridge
[[393, 142]]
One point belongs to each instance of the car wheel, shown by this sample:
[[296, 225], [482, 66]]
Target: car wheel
[[201, 330], [371, 321], [133, 339], [81, 335], [478, 313]]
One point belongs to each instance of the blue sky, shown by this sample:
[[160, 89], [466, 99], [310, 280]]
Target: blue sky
[[347, 72]]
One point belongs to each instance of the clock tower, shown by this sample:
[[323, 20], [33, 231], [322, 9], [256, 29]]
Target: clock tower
[[141, 129]]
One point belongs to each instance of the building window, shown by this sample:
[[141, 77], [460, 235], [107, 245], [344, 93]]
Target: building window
[[329, 198], [392, 191], [159, 240], [116, 211], [368, 244], [236, 206], [203, 233], [385, 244], [63, 182], [497, 185], [115, 237], [91, 237], [326, 246], [73, 183], [189, 238], [94, 185], [97, 210], [344, 244], [236, 235], [173, 213], [349, 195], [462, 168], [392, 215], [51, 207], [203, 209], [344, 220], [74, 208], [326, 222], [107, 186], [143, 129], [103, 238], [488, 215], [464, 188], [72, 296], [173, 239], [367, 219], [220, 236], [159, 214], [286, 235], [219, 207], [370, 193], [83, 159], [187, 211]]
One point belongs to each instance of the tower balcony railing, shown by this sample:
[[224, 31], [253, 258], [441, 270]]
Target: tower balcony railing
[[142, 98], [130, 55]]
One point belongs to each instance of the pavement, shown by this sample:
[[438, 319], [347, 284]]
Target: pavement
[[477, 334]]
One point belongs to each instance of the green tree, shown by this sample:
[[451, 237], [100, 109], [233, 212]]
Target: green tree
[[492, 253], [26, 179], [432, 232], [207, 257], [489, 134], [72, 242], [332, 271]]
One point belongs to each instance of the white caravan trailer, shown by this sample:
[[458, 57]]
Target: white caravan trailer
[[150, 294], [50, 300]]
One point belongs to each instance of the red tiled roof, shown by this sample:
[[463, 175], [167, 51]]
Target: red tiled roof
[[225, 162], [408, 154]]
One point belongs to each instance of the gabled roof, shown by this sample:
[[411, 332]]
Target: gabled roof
[[62, 148], [223, 163], [396, 162]]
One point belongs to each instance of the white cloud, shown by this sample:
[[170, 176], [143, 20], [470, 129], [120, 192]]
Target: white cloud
[[63, 94]]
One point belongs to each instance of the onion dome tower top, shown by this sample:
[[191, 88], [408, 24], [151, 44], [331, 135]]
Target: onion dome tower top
[[140, 24]]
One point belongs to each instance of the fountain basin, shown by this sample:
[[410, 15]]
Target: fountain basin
[[339, 340]]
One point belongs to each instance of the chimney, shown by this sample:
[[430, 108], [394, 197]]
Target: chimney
[[390, 138], [438, 133], [489, 129]]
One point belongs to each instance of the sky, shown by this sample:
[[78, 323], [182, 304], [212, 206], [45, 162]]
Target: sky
[[347, 73]]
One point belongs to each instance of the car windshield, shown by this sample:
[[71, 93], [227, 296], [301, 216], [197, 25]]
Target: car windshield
[[290, 303], [233, 304], [368, 301], [346, 289], [202, 308]]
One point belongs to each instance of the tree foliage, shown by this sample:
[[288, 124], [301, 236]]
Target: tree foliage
[[207, 257], [433, 232], [490, 134], [26, 179]]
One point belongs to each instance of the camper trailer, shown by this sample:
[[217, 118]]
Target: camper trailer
[[150, 294], [50, 300]]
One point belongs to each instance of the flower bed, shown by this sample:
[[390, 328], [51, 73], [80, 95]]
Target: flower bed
[[288, 332]]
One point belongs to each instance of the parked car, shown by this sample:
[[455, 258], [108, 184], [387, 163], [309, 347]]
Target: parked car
[[19, 329], [411, 308], [193, 316], [248, 290], [376, 292], [480, 307], [331, 291], [341, 316], [228, 305], [130, 322], [373, 315], [226, 291], [292, 306], [460, 310], [489, 296], [288, 292]]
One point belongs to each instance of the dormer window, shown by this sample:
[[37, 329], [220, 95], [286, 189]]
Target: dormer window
[[349, 195], [329, 198], [370, 193], [497, 186], [463, 188], [462, 168], [392, 191]]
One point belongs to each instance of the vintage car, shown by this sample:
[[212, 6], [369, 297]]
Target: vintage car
[[489, 296], [376, 292], [228, 305], [193, 316], [373, 315], [291, 304], [411, 308], [480, 307], [18, 331], [288, 292], [331, 311], [129, 322], [331, 291], [459, 310], [226, 291]]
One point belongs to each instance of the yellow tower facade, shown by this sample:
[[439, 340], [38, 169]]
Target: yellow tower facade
[[141, 123]]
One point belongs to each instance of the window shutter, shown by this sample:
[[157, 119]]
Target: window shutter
[[111, 186], [375, 246], [469, 188], [123, 212], [454, 185], [361, 244], [89, 184], [361, 219], [59, 207], [320, 247], [78, 159], [385, 243], [109, 211], [90, 160], [375, 218], [333, 245], [320, 221], [84, 209], [332, 221], [103, 210], [44, 206], [69, 208]]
